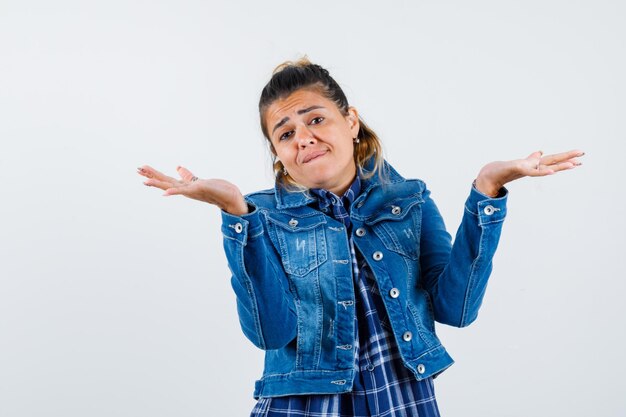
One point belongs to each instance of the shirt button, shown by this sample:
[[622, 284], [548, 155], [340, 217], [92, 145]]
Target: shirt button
[[489, 210], [378, 255], [394, 293], [238, 228], [421, 369], [360, 232], [293, 222], [396, 210], [407, 336]]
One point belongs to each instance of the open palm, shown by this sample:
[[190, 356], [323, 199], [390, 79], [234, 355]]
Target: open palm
[[496, 174], [219, 192]]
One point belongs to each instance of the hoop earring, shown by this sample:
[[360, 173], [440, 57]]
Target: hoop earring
[[285, 173]]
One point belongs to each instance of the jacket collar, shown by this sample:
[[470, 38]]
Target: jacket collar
[[291, 198]]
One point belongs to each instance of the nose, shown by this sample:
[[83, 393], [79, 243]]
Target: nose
[[304, 137]]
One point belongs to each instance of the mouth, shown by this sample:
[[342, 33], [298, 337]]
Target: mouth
[[314, 155]]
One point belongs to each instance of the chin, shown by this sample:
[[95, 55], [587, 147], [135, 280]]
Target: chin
[[323, 177]]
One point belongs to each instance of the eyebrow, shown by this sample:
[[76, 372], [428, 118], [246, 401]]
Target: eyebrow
[[302, 111]]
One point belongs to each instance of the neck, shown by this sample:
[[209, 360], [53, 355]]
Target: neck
[[341, 188]]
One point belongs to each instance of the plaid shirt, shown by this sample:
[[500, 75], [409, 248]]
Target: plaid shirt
[[382, 385]]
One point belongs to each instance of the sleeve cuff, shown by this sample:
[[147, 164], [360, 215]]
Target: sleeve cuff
[[487, 209], [242, 228]]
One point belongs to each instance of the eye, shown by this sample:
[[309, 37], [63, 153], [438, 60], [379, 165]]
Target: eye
[[285, 135], [317, 120]]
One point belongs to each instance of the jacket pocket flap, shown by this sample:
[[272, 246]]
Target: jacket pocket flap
[[293, 223], [395, 210]]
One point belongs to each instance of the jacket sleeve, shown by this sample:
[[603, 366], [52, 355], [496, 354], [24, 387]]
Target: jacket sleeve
[[265, 306], [455, 275]]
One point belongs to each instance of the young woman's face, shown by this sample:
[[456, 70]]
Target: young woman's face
[[314, 140]]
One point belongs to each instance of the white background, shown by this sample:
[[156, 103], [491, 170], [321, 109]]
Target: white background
[[116, 301]]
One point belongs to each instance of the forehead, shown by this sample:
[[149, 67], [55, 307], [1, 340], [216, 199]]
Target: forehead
[[298, 100]]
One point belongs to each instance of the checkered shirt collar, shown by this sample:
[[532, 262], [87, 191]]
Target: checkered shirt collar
[[340, 206]]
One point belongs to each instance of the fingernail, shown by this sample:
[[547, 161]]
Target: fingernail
[[146, 184], [578, 163], [581, 154]]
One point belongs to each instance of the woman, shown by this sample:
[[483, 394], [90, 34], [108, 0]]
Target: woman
[[342, 268]]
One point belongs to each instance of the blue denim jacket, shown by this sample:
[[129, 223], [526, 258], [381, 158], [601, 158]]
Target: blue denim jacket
[[292, 276]]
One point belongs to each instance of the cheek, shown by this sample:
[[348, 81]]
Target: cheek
[[284, 153]]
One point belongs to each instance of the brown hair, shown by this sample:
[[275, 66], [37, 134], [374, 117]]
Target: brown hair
[[291, 76]]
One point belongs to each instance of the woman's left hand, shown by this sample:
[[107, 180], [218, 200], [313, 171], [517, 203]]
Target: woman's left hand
[[495, 174]]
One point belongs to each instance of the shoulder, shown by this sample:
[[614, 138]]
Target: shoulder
[[402, 188], [413, 184], [262, 198], [393, 181]]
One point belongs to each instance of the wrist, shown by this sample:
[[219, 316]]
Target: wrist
[[237, 210], [486, 186]]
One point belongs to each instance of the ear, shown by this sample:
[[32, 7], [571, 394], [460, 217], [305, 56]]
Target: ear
[[353, 121]]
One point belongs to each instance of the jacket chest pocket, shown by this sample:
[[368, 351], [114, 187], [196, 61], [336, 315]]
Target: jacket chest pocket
[[301, 241], [398, 226]]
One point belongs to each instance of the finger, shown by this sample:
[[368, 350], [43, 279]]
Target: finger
[[541, 170], [182, 190], [574, 161], [532, 162], [536, 154], [533, 167], [561, 157], [561, 166], [163, 185], [185, 174], [148, 171]]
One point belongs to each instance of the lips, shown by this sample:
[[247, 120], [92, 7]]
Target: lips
[[313, 155]]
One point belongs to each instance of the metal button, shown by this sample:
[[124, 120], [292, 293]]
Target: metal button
[[238, 228], [489, 210], [378, 255], [360, 232], [394, 293], [293, 222], [421, 368], [370, 367], [407, 336], [396, 210]]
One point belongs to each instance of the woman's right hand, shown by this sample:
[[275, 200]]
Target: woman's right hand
[[221, 193]]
